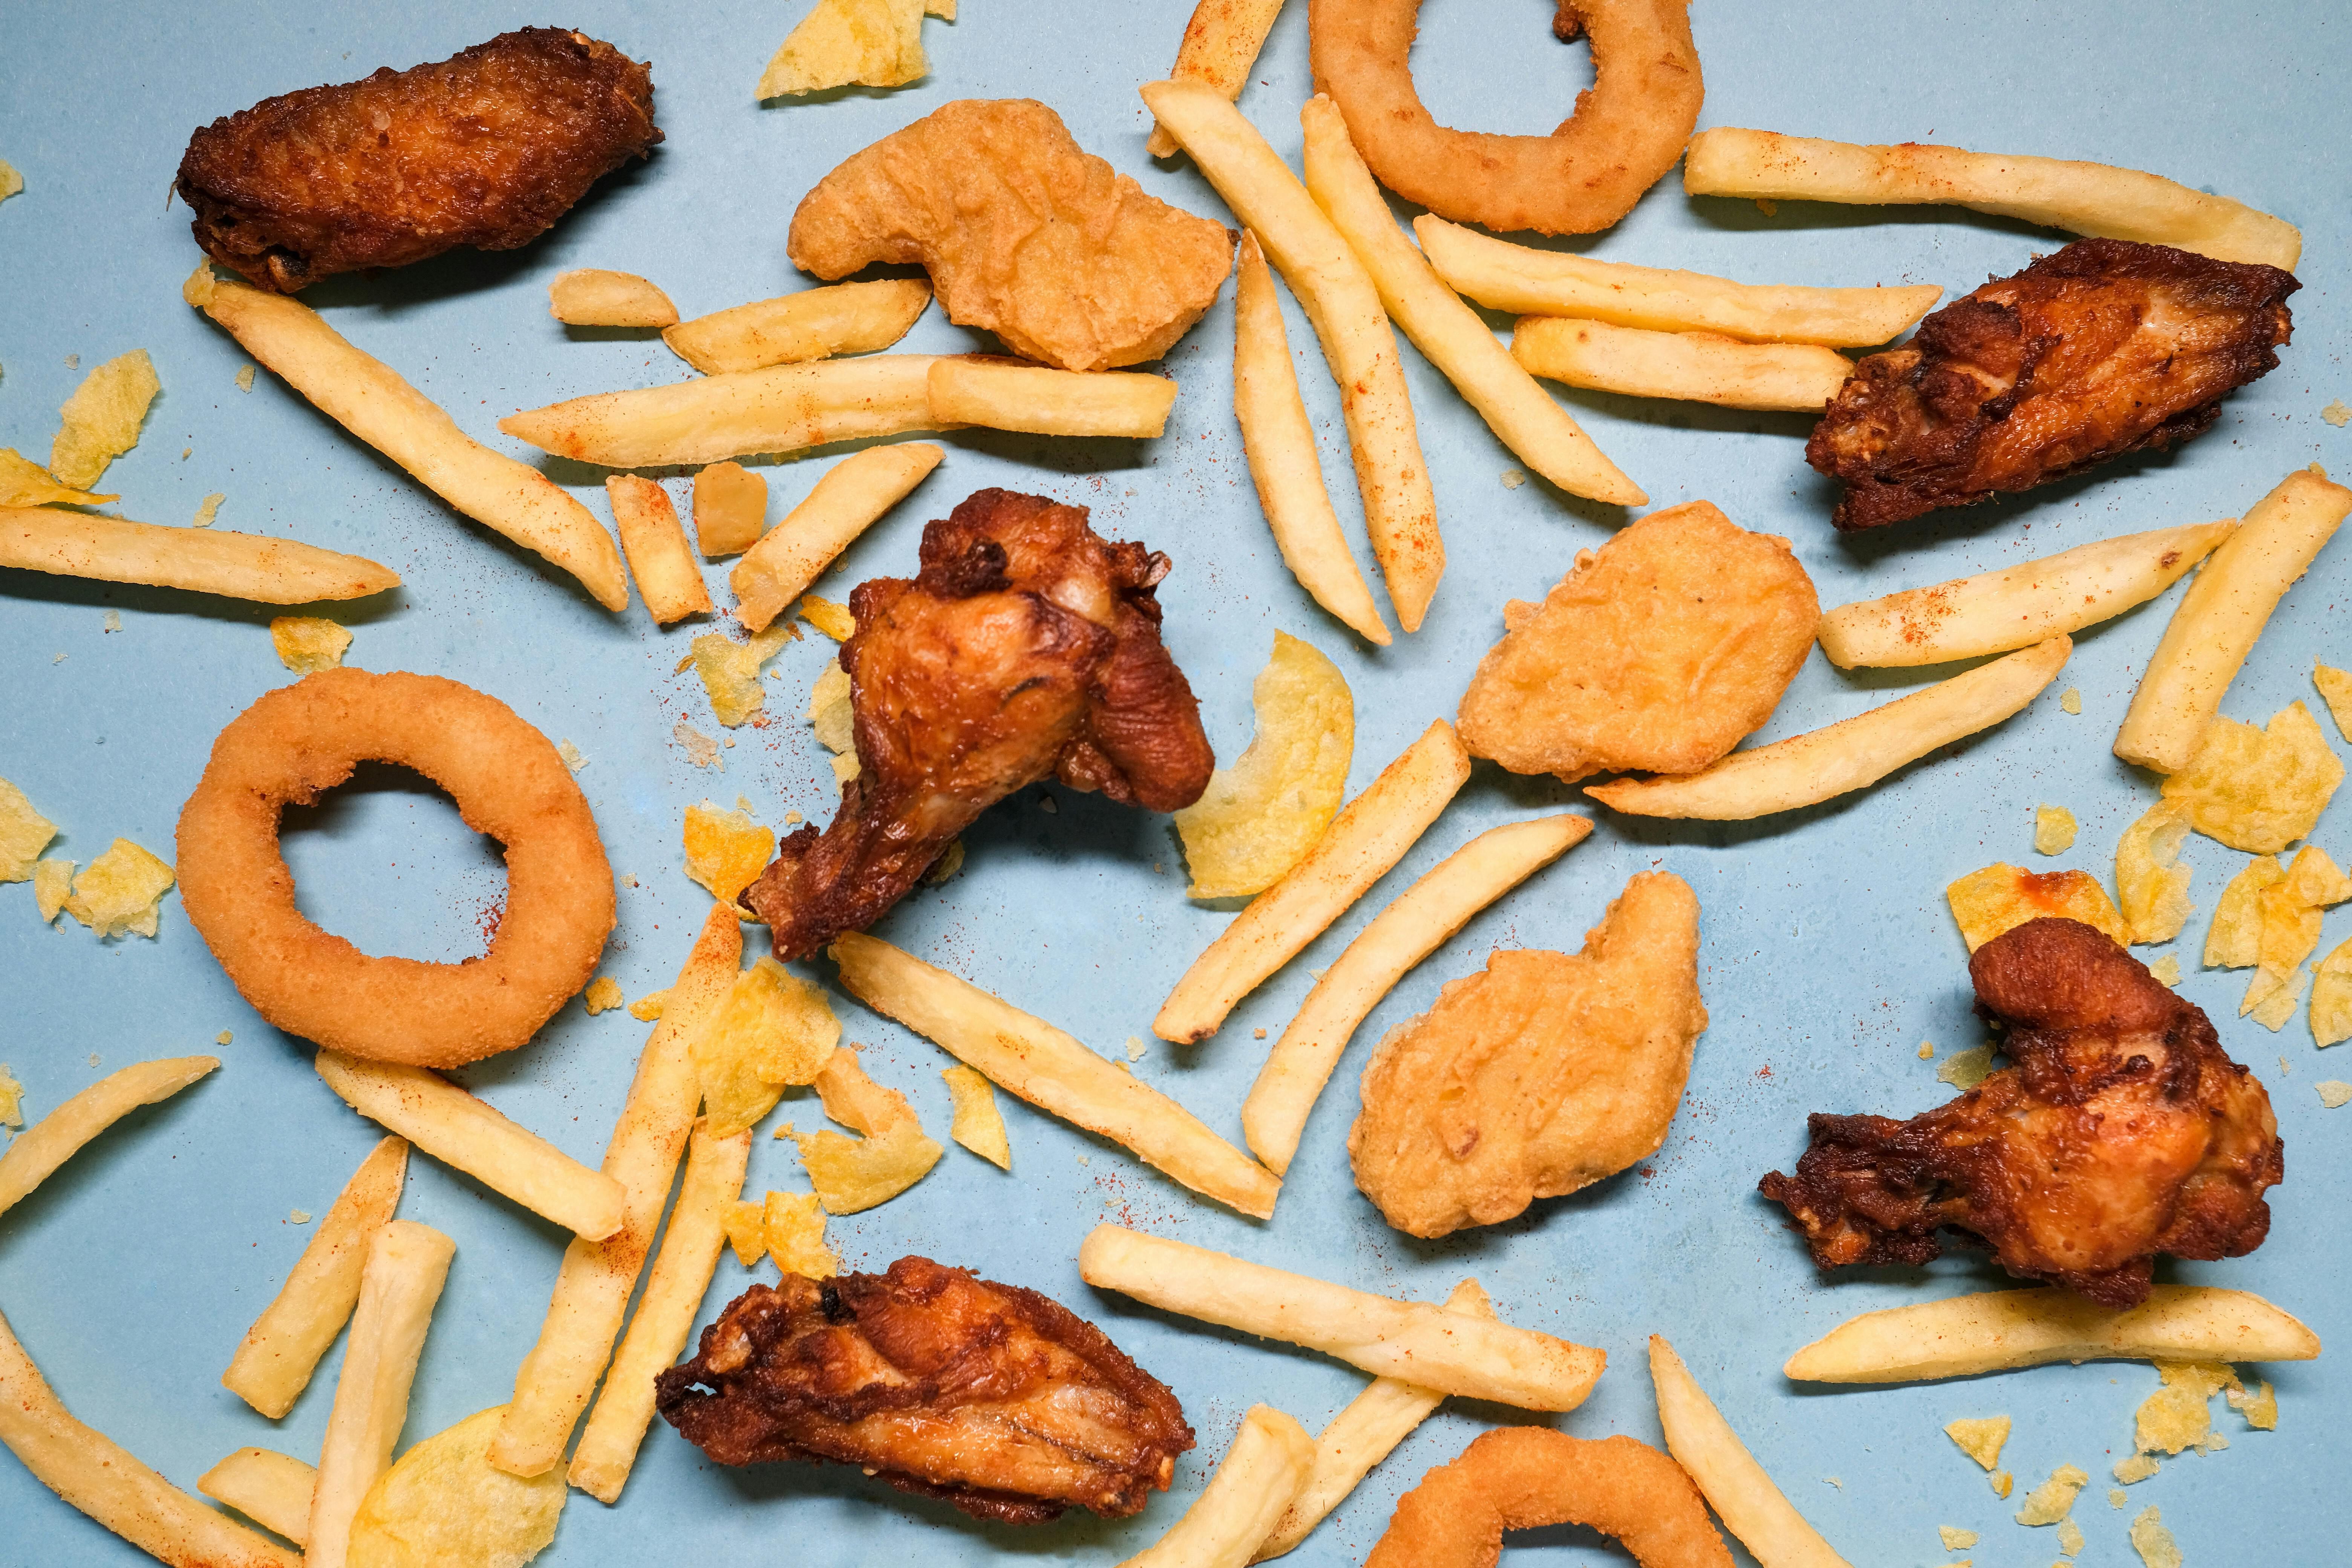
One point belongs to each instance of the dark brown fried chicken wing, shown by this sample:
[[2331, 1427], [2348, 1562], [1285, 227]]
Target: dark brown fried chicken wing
[[2121, 1130], [2105, 348], [993, 1398], [1027, 648], [487, 148]]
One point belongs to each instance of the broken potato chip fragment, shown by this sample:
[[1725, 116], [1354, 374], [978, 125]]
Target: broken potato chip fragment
[[855, 1173], [771, 1029], [2331, 993], [2288, 932], [24, 834], [52, 885], [979, 1126], [1979, 1437], [834, 620], [1259, 818], [444, 1503], [849, 43], [120, 890], [2234, 939], [647, 1009], [731, 671], [2053, 1499], [2002, 896], [100, 421], [2152, 883], [2257, 790], [724, 850], [829, 709], [2336, 688], [2179, 1416], [23, 482], [2053, 830], [306, 644], [791, 1227], [604, 994]]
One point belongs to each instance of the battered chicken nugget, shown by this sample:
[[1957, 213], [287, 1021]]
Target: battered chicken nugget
[[1658, 653], [1023, 234], [1540, 1076]]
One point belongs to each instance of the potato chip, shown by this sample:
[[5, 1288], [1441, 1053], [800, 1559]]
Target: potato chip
[[1259, 818], [2334, 1093], [1954, 1538], [829, 709], [24, 834], [731, 671], [2001, 1481], [950, 862], [2289, 931], [2331, 993], [794, 1227], [771, 1029], [2336, 688], [834, 620], [100, 421], [604, 994], [857, 1101], [2257, 790], [444, 1505], [208, 509], [724, 850], [2053, 830], [1966, 1070], [855, 1173], [12, 1098], [2152, 883], [52, 882], [648, 1008], [1980, 1438], [306, 644], [845, 768], [979, 1126], [846, 43], [2278, 1004], [747, 1232], [2071, 700], [2069, 1538], [799, 1029], [1999, 898], [2234, 939], [2166, 968], [2152, 1541], [2179, 1416], [120, 890], [2135, 1469], [2261, 1410], [2053, 1498], [23, 482]]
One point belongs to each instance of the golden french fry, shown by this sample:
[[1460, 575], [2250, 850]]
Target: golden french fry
[[591, 296], [2017, 606], [731, 507], [1522, 415], [201, 559], [1051, 1070], [463, 1133], [1734, 1484], [2224, 611], [1399, 511], [1697, 367], [852, 495], [58, 1136], [1254, 1484], [1851, 754], [655, 541], [782, 409], [815, 323], [1371, 834], [1423, 916], [1006, 394], [2082, 198], [274, 1361], [1220, 45], [371, 400], [270, 1489], [1452, 1352]]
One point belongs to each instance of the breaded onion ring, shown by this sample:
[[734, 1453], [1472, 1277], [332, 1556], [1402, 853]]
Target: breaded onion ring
[[507, 782], [1521, 1477], [1628, 129]]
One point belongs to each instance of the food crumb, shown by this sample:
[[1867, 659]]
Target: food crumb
[[1768, 207], [224, 1038], [572, 756], [2053, 1498], [245, 378], [2070, 700], [1979, 1437], [307, 643], [1967, 1069], [11, 1099], [114, 620], [1135, 1047], [2261, 1410], [1257, 1035], [2336, 414], [604, 994], [2053, 830], [1955, 1538], [11, 182], [2334, 1093], [209, 508], [1835, 1482], [2138, 1467], [1047, 804], [700, 749], [1084, 1160], [298, 1216], [2166, 968], [791, 817], [1514, 477], [2069, 1538], [2002, 1483], [1926, 1050], [2152, 1541], [648, 1007], [93, 1058]]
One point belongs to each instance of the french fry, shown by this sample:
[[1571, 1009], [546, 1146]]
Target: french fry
[[591, 296], [1030, 1058], [274, 1361], [1529, 282], [852, 495], [1522, 415], [102, 1479], [1734, 1484], [2080, 198], [1006, 394], [1220, 45], [1851, 754], [270, 1489], [730, 509], [1696, 367], [592, 1285], [655, 541], [463, 1133], [815, 323], [1254, 1484], [201, 559], [58, 1136], [407, 1263], [1399, 511], [2219, 618], [371, 400], [2018, 605], [665, 1316], [782, 409], [1423, 916], [1371, 834], [1450, 1352]]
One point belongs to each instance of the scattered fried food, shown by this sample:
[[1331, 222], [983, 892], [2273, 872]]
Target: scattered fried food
[[848, 43], [782, 409], [792, 1228], [815, 323], [1254, 1485], [1727, 1475], [591, 296], [308, 644], [2053, 1498], [1220, 43], [1258, 818], [979, 1126], [2152, 1541], [24, 834], [122, 891], [834, 620], [2336, 688], [2151, 883], [211, 561], [447, 1501], [2002, 898], [772, 1030], [40, 1149], [100, 421], [23, 482], [1698, 367], [2179, 1415], [270, 1489], [1000, 394], [730, 510], [725, 849], [2257, 790], [655, 542], [850, 498]]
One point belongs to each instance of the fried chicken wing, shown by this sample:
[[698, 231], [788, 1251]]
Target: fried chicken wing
[[487, 148], [993, 1398], [2121, 1130], [2104, 348], [1028, 647]]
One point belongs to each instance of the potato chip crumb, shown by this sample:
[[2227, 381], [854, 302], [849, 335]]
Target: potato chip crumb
[[2334, 1093], [2336, 414], [2117, 1496], [121, 891], [792, 1227], [2069, 1538], [2234, 939], [2167, 969], [746, 1232], [2152, 884], [1135, 1047], [2138, 1467], [2001, 1481], [1955, 1539], [2053, 1498], [1258, 1034], [113, 621], [979, 1126], [224, 1038], [198, 289], [24, 834], [11, 1099], [604, 994], [2336, 690], [792, 818], [298, 1216], [829, 711], [2261, 1410], [23, 482], [2257, 790], [771, 1029], [2070, 700], [245, 378], [1514, 477], [844, 43], [307, 643], [1926, 1050], [1967, 1068], [2152, 1541], [845, 769], [12, 182], [2053, 830], [700, 749], [52, 881], [100, 421], [646, 1009], [1979, 1437], [834, 620], [1259, 818], [1768, 207], [731, 671], [853, 1175], [1999, 897], [950, 862], [208, 509], [2331, 995], [573, 758], [2178, 1415]]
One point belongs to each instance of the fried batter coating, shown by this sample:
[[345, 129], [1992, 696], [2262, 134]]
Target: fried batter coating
[[1540, 1076], [1029, 647], [2121, 1130], [1023, 234], [487, 148], [1657, 654], [988, 1396], [2107, 347]]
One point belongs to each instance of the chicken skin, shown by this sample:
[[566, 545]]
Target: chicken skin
[[2121, 1130], [2104, 348], [988, 1396], [487, 148], [1028, 647]]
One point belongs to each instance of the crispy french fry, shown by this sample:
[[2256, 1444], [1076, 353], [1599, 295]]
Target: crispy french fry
[[1851, 754], [782, 409], [1529, 282], [1995, 1330], [815, 323], [852, 495], [593, 1286], [591, 296], [1371, 834], [2082, 198], [270, 1489], [1452, 1352], [463, 1133], [371, 400], [1522, 415], [2219, 618], [274, 1361], [730, 509], [99, 1478], [1734, 1484], [2018, 605], [1220, 45], [1423, 916], [681, 1277], [201, 559], [1399, 512], [655, 541], [1697, 367], [1051, 1070], [1254, 1483], [1006, 394], [58, 1136]]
